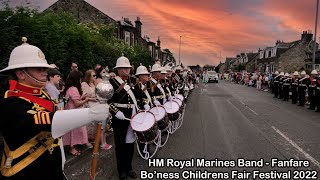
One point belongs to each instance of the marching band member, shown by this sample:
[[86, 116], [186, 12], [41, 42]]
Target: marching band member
[[286, 85], [317, 93], [123, 104], [312, 83], [275, 84], [294, 87], [170, 79], [302, 88], [280, 88], [31, 133], [154, 86]]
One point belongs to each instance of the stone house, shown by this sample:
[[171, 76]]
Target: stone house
[[251, 65], [308, 61], [81, 10], [293, 59], [286, 56]]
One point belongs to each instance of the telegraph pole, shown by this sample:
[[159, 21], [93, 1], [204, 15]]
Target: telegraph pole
[[315, 38], [179, 50]]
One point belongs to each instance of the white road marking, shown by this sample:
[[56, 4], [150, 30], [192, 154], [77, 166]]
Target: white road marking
[[249, 108], [308, 156]]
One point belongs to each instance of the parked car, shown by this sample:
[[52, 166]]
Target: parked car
[[213, 77]]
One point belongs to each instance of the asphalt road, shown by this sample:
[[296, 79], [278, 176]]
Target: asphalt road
[[228, 121]]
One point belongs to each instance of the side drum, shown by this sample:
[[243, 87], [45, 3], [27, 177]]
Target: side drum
[[145, 126], [161, 117], [172, 109], [180, 104]]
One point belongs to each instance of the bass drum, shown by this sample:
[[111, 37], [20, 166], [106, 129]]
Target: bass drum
[[172, 109], [145, 126], [161, 117]]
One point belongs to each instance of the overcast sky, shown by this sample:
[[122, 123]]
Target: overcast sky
[[211, 27]]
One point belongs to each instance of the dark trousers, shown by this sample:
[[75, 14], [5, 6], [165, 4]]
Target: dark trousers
[[312, 98], [280, 89], [124, 151], [286, 92], [317, 99], [302, 94], [275, 89], [294, 96]]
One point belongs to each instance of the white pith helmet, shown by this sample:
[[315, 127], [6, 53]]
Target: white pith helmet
[[142, 70], [178, 68], [156, 67], [314, 72], [287, 75], [296, 73], [163, 70], [123, 62], [168, 68], [26, 55], [282, 73], [303, 73], [276, 73]]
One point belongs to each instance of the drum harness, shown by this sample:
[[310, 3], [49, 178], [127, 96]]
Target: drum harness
[[160, 87], [128, 90]]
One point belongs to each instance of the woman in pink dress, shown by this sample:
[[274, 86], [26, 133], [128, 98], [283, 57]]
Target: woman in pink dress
[[76, 100]]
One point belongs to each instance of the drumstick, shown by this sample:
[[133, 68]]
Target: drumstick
[[132, 120]]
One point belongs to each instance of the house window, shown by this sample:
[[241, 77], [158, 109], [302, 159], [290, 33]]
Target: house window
[[269, 54], [150, 49], [308, 67], [127, 37], [157, 55], [132, 39], [271, 68], [316, 66]]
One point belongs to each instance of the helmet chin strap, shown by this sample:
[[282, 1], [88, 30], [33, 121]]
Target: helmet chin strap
[[36, 80]]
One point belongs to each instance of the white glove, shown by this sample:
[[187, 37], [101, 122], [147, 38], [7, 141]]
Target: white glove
[[157, 103], [120, 115], [170, 98], [99, 112], [164, 100], [146, 107]]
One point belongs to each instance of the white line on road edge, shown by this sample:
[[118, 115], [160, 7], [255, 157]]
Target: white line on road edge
[[249, 108], [308, 156]]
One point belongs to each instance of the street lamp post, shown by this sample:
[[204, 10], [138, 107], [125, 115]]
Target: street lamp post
[[179, 50], [315, 38]]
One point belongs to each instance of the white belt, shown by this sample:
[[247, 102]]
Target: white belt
[[286, 83], [318, 88], [276, 81], [302, 85], [312, 86], [129, 106], [159, 97], [294, 84]]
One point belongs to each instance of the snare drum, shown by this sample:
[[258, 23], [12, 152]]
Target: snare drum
[[144, 124], [180, 104], [180, 96], [172, 109], [161, 117]]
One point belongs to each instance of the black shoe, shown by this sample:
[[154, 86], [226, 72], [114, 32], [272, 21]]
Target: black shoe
[[123, 176], [300, 105], [132, 174], [311, 108], [318, 110]]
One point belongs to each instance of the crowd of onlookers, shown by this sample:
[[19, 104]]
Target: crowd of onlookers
[[258, 80], [78, 91]]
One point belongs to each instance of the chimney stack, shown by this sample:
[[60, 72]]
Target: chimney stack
[[138, 25], [306, 36]]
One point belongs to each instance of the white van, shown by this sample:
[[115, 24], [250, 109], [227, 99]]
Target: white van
[[213, 76]]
